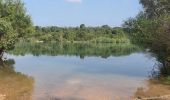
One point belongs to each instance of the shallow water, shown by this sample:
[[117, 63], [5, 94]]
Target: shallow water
[[91, 78]]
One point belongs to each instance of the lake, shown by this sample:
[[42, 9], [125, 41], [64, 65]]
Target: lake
[[75, 72]]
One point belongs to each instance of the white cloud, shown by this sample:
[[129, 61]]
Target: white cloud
[[74, 1]]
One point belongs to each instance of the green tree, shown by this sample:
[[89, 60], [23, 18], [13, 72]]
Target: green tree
[[7, 36], [155, 8], [14, 23], [82, 26], [152, 29]]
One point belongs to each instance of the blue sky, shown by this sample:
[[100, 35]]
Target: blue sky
[[76, 12]]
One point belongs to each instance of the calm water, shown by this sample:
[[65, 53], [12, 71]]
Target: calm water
[[66, 76]]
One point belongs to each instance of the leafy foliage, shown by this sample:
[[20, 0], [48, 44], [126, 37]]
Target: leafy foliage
[[102, 34], [7, 35], [14, 23], [152, 28], [156, 8]]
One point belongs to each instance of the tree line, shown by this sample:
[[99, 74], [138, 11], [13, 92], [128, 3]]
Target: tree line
[[16, 24], [103, 34], [151, 28]]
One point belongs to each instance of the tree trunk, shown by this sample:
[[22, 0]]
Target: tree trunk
[[1, 63], [1, 53]]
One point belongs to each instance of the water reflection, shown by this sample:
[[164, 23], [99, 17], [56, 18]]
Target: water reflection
[[162, 68], [93, 78], [159, 80], [60, 73], [75, 49], [14, 85]]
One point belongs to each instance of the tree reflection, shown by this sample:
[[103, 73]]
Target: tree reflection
[[160, 74], [161, 70], [14, 85], [82, 50]]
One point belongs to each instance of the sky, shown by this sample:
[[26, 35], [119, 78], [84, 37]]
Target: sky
[[71, 13]]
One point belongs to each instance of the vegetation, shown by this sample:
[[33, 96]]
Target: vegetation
[[152, 25], [104, 34], [7, 38], [151, 28], [14, 23]]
